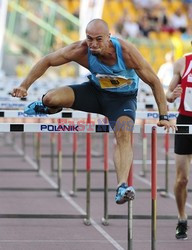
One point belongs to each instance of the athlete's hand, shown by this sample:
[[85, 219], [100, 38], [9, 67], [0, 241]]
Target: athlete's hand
[[177, 91], [167, 125], [19, 92]]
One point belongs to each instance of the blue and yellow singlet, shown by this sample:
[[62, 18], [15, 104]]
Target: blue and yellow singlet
[[116, 78]]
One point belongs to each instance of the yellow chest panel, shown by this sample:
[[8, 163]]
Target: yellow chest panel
[[113, 81]]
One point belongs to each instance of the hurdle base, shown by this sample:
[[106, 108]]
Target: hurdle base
[[142, 174], [104, 222], [87, 222], [164, 194], [59, 194], [72, 193]]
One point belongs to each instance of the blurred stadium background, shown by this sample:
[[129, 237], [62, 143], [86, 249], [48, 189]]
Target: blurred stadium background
[[33, 28]]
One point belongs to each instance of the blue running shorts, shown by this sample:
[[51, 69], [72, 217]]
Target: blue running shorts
[[91, 99]]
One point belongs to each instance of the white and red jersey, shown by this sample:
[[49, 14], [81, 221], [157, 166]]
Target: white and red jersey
[[185, 107]]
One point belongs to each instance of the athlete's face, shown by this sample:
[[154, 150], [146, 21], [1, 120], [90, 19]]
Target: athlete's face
[[97, 38], [97, 44]]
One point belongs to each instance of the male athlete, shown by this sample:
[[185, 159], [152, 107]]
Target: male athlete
[[111, 90]]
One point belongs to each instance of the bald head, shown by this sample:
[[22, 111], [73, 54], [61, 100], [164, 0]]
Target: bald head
[[97, 25]]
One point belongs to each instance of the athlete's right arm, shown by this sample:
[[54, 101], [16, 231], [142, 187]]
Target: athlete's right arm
[[174, 90], [59, 57]]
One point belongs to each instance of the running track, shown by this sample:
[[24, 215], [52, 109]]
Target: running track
[[24, 191]]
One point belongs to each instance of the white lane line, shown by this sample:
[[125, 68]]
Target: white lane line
[[74, 204]]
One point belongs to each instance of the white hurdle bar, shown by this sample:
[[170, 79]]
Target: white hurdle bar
[[59, 128], [79, 114], [21, 104], [182, 129], [85, 128]]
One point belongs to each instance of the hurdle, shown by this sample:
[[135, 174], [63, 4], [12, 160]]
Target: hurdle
[[54, 128], [67, 113], [149, 128], [153, 130], [164, 192], [11, 113], [68, 128], [59, 129]]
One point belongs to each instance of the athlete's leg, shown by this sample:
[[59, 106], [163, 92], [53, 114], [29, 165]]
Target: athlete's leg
[[123, 157], [123, 154], [56, 99], [121, 115], [82, 97], [180, 188]]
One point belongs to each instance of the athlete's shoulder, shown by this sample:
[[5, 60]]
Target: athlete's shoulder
[[79, 46], [76, 50], [127, 47]]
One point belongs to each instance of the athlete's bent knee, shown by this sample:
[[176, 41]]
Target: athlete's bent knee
[[48, 100]]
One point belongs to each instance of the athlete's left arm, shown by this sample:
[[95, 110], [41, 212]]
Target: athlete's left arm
[[136, 61]]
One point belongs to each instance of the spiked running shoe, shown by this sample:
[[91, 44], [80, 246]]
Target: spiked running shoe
[[124, 193], [181, 230], [36, 108]]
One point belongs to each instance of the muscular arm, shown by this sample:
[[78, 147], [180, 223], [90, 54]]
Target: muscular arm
[[74, 52], [136, 61], [174, 89]]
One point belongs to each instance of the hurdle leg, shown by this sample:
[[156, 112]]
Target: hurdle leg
[[23, 142], [52, 152], [106, 168], [88, 168], [59, 163], [153, 187], [130, 226], [38, 153], [130, 212], [166, 192], [74, 189], [144, 151]]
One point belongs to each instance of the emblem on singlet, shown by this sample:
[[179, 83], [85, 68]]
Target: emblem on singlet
[[111, 81]]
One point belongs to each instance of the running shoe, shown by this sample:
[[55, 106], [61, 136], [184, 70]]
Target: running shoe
[[36, 108], [181, 230], [124, 193]]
